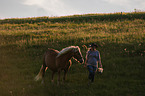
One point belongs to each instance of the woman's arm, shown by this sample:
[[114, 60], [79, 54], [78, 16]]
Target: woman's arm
[[100, 64]]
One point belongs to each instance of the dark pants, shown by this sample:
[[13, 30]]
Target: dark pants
[[92, 71]]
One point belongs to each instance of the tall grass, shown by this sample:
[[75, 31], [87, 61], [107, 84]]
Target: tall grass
[[121, 44]]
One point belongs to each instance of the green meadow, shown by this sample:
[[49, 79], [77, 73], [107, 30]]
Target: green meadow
[[121, 41]]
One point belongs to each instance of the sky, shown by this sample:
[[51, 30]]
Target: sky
[[55, 8]]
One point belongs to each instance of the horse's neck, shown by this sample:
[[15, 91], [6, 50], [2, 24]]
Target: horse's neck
[[62, 60], [67, 56]]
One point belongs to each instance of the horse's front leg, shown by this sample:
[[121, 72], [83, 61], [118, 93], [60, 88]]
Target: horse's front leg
[[52, 79]]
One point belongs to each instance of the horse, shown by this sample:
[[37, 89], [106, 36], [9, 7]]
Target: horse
[[57, 61]]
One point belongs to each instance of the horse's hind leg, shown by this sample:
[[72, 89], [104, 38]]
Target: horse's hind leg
[[64, 77], [43, 73]]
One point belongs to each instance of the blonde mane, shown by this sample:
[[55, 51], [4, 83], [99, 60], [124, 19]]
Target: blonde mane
[[67, 49]]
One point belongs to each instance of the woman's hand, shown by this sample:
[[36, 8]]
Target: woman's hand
[[85, 65]]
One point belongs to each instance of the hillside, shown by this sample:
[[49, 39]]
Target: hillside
[[121, 40], [78, 18]]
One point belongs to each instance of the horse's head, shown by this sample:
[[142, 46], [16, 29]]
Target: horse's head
[[77, 54]]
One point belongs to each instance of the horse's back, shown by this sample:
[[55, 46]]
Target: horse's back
[[49, 59]]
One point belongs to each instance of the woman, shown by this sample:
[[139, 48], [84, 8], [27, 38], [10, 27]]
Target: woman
[[92, 60]]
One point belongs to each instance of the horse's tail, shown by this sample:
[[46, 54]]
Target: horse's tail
[[39, 76], [41, 73]]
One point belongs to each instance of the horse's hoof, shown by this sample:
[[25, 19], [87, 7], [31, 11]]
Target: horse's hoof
[[42, 82], [52, 81]]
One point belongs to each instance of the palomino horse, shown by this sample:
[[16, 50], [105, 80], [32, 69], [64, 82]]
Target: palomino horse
[[57, 61]]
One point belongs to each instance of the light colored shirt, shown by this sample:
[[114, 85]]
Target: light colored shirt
[[93, 57]]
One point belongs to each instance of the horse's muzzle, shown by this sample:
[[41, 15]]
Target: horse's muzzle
[[81, 60]]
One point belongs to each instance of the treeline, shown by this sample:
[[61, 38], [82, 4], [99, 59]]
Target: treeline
[[77, 18]]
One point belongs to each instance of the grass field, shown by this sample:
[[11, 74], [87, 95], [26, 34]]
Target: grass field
[[121, 40]]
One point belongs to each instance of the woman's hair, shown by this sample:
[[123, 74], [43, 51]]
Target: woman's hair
[[94, 47]]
